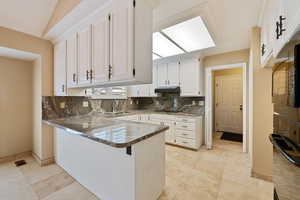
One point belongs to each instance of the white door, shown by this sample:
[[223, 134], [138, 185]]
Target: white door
[[162, 75], [84, 56], [121, 44], [60, 72], [189, 78], [100, 50], [228, 103], [173, 74], [72, 61]]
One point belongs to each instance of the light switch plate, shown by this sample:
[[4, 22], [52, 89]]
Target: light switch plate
[[85, 104], [62, 105]]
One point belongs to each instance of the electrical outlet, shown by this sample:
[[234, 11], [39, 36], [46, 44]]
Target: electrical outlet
[[201, 103], [194, 103], [85, 104], [62, 105]]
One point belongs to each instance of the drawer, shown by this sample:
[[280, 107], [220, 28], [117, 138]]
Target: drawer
[[185, 120], [186, 142], [186, 134], [186, 126]]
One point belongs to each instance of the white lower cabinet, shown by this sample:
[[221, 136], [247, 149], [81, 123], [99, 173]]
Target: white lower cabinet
[[109, 172], [183, 131]]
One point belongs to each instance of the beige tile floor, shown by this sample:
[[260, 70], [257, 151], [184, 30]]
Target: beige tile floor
[[219, 174]]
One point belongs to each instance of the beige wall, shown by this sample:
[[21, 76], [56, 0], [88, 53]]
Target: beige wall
[[262, 110], [241, 56], [63, 7], [43, 78], [15, 106]]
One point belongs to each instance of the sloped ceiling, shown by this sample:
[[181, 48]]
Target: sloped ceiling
[[28, 16], [228, 21]]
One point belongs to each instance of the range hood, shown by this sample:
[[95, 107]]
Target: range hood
[[170, 90]]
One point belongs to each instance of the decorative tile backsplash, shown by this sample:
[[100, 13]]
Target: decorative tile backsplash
[[59, 107]]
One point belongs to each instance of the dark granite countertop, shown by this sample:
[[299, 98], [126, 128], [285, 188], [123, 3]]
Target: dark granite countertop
[[104, 129]]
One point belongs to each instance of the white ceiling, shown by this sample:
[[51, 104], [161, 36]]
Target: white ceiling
[[28, 16], [228, 21]]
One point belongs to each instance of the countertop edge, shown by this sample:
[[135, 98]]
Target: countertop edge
[[116, 145]]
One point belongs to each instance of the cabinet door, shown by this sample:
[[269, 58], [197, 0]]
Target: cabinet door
[[72, 61], [162, 75], [190, 78], [291, 13], [84, 56], [60, 72], [121, 43], [173, 74], [170, 133], [100, 50], [154, 81]]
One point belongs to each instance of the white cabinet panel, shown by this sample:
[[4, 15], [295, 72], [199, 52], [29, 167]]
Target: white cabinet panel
[[84, 56], [191, 78], [144, 90], [133, 91], [173, 74], [72, 61], [100, 48], [60, 72], [121, 25], [153, 86], [162, 75]]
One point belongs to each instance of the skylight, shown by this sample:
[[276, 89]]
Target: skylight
[[164, 47], [155, 57], [191, 35]]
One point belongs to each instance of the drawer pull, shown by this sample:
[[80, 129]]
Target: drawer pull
[[185, 142], [184, 126]]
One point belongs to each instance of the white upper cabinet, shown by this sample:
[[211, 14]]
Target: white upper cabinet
[[100, 50], [162, 75], [84, 56], [60, 72], [280, 21], [121, 26], [112, 46], [191, 78], [168, 74], [72, 61], [173, 74]]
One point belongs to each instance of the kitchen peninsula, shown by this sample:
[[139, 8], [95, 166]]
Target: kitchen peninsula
[[114, 159]]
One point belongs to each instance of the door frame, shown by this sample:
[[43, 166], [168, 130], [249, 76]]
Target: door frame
[[209, 103]]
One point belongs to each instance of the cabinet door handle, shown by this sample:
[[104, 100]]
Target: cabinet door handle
[[74, 77], [281, 19], [263, 49], [91, 74], [63, 88], [87, 74], [277, 30]]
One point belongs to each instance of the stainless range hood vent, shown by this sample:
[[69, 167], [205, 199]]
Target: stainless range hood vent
[[169, 90]]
